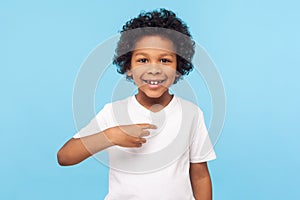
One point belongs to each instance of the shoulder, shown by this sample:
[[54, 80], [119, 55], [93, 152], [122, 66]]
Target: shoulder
[[108, 107], [118, 102], [189, 106]]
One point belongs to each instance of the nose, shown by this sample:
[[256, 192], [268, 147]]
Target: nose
[[154, 69]]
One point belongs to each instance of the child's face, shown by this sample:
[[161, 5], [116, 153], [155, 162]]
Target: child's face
[[153, 65]]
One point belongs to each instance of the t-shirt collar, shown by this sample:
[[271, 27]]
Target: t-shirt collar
[[168, 108]]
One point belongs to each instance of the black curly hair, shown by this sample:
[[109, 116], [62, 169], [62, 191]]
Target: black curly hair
[[160, 22]]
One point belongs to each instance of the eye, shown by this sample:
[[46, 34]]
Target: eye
[[164, 60], [142, 60]]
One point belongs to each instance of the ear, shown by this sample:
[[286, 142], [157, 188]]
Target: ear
[[129, 72], [177, 74], [177, 77], [129, 75]]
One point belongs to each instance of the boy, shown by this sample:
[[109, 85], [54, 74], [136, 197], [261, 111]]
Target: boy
[[158, 144]]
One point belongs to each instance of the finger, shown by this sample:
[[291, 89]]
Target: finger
[[143, 140], [147, 126], [139, 140], [145, 133], [137, 143]]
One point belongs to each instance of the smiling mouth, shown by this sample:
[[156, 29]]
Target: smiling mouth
[[153, 82]]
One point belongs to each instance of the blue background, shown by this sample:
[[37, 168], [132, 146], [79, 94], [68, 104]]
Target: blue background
[[255, 45]]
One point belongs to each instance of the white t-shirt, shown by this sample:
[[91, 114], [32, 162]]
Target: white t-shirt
[[160, 168]]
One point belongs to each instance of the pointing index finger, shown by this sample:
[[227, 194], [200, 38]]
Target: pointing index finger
[[147, 126]]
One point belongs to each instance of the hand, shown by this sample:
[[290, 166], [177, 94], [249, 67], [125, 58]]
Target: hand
[[128, 135]]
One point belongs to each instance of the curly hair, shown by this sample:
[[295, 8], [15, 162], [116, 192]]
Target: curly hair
[[160, 22]]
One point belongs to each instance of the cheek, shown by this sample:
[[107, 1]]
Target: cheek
[[170, 71], [138, 70], [137, 78]]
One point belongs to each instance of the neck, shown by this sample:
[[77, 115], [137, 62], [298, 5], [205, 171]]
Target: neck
[[154, 104]]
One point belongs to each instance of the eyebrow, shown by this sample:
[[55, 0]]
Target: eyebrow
[[163, 54]]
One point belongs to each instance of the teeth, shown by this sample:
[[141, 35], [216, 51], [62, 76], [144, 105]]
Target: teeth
[[153, 82]]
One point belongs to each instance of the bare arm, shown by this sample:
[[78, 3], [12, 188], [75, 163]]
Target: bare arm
[[200, 180], [76, 150]]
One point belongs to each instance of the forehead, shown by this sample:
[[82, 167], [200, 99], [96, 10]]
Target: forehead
[[154, 43]]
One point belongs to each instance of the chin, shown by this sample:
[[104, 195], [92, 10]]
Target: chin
[[153, 96]]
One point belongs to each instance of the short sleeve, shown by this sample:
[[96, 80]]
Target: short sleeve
[[201, 148], [96, 125]]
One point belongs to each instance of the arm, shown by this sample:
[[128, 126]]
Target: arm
[[200, 180], [77, 150]]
